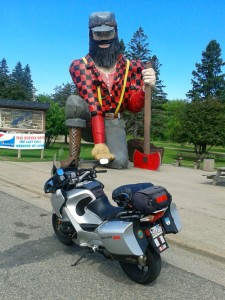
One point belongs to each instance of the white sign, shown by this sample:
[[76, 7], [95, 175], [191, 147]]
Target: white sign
[[22, 141]]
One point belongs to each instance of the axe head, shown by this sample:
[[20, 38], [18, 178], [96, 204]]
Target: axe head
[[150, 161]]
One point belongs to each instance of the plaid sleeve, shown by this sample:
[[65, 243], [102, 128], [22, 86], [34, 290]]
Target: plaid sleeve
[[134, 92]]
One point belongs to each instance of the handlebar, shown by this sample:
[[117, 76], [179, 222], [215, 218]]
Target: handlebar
[[88, 174], [70, 178]]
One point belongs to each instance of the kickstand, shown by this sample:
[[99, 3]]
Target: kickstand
[[84, 255]]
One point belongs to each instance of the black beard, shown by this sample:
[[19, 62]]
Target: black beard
[[104, 57]]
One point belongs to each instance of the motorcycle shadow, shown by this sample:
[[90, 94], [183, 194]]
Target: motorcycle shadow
[[106, 267], [30, 252]]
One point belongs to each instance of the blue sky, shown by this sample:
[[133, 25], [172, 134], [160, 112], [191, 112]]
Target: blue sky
[[49, 34]]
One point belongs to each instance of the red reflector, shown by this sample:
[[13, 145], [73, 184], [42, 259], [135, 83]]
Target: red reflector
[[147, 232], [161, 198], [157, 216], [116, 237]]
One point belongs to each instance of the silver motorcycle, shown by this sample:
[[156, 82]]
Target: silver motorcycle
[[132, 233]]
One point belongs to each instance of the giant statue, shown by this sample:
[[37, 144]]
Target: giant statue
[[107, 84]]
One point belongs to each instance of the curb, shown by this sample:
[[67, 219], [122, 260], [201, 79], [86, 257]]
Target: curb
[[22, 187], [196, 250]]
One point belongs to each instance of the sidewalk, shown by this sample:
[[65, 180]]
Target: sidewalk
[[201, 204]]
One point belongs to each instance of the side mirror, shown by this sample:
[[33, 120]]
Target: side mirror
[[60, 172]]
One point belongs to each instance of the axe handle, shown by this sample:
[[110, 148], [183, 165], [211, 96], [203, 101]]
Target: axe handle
[[147, 115]]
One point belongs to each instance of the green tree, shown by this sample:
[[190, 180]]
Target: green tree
[[202, 124], [203, 118], [18, 84], [55, 120], [27, 83], [17, 89], [158, 100], [60, 96], [43, 98], [208, 78], [21, 84], [61, 93], [122, 46], [138, 49], [4, 79], [173, 119]]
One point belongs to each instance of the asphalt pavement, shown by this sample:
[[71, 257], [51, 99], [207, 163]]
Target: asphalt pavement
[[35, 265], [200, 203]]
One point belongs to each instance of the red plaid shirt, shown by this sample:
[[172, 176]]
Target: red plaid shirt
[[87, 78]]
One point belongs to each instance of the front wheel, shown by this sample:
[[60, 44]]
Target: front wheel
[[63, 230], [144, 274]]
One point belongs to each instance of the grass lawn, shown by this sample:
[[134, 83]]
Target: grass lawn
[[171, 149], [170, 152], [35, 155]]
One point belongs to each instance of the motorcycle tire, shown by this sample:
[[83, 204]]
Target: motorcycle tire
[[63, 238], [146, 274]]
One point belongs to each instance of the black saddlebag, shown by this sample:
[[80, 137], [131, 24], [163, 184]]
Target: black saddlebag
[[123, 194], [150, 199]]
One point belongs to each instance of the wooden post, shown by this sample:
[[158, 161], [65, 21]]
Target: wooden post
[[42, 153]]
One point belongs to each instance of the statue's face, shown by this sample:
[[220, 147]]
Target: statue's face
[[104, 47], [102, 37]]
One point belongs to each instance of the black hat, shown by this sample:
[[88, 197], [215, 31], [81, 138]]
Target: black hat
[[102, 21]]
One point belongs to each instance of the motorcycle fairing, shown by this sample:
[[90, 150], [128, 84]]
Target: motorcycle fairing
[[74, 199], [57, 200], [83, 238]]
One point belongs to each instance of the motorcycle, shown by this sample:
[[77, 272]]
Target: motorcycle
[[132, 233]]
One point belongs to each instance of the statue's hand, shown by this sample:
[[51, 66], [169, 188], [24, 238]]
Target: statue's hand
[[149, 77], [101, 151]]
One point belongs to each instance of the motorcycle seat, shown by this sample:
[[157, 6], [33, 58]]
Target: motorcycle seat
[[104, 209]]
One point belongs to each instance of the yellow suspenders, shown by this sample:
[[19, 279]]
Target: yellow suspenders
[[123, 89]]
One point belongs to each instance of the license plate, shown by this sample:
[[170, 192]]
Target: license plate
[[156, 231], [158, 239]]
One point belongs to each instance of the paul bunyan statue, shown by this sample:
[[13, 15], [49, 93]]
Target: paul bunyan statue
[[107, 84]]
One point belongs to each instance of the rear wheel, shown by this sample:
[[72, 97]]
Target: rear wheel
[[63, 230], [144, 274]]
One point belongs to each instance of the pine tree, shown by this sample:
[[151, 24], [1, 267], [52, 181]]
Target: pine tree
[[17, 74], [158, 99], [202, 120], [28, 84], [158, 94], [4, 79], [208, 78], [122, 47], [17, 85], [138, 49], [22, 87], [63, 92], [18, 91]]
